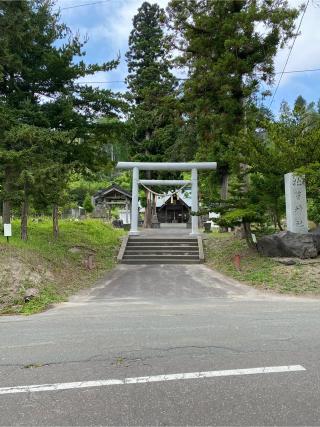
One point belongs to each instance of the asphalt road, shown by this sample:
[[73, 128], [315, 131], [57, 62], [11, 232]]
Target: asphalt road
[[143, 321]]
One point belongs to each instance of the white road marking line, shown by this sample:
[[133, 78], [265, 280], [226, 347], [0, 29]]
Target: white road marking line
[[150, 379], [32, 344]]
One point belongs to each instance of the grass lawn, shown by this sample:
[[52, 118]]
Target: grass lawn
[[56, 268], [261, 272]]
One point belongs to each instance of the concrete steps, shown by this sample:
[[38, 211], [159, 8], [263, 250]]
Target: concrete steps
[[164, 250]]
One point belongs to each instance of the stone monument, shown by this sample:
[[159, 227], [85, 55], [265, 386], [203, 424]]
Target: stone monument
[[296, 203], [296, 241]]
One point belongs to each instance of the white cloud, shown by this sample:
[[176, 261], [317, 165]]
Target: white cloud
[[306, 50], [113, 28], [118, 24]]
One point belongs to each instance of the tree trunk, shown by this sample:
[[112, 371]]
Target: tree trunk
[[55, 221], [224, 195], [248, 235], [279, 223], [148, 211], [6, 206], [24, 215], [6, 212], [224, 186], [246, 225], [154, 204]]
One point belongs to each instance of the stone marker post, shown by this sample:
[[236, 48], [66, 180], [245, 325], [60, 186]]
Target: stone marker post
[[296, 203]]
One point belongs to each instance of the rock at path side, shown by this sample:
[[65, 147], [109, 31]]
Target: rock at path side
[[288, 244], [30, 293], [316, 237], [75, 250], [287, 261]]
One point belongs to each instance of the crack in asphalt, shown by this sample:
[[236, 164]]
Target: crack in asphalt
[[126, 360]]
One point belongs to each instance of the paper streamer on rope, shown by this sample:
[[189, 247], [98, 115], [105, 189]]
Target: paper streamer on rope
[[164, 194]]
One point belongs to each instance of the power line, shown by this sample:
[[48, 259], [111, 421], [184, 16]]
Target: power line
[[281, 72], [300, 71], [307, 70], [289, 54], [101, 82], [85, 4]]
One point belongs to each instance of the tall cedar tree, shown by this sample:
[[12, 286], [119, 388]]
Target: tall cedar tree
[[228, 48], [152, 90], [289, 144], [37, 63]]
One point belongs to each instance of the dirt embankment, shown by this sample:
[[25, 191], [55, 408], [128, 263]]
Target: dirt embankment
[[43, 270], [18, 273], [298, 277]]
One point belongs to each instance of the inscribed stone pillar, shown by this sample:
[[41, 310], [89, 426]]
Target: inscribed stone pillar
[[296, 203]]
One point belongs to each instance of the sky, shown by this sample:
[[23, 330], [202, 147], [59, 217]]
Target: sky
[[107, 26]]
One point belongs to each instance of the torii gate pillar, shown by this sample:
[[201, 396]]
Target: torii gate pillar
[[194, 202], [135, 202], [193, 167]]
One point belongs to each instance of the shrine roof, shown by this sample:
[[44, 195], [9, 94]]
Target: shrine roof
[[113, 187]]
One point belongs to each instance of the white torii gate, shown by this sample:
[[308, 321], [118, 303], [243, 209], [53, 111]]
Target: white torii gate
[[137, 166]]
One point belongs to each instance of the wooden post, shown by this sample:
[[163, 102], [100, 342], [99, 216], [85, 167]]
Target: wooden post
[[55, 221]]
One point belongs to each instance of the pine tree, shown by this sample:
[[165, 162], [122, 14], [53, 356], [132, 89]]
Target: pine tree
[[272, 149], [35, 67], [33, 148], [152, 90], [87, 204]]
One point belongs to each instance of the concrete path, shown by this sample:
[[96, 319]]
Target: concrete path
[[194, 336], [168, 284]]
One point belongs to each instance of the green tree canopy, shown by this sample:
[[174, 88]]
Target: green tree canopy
[[228, 49], [41, 62]]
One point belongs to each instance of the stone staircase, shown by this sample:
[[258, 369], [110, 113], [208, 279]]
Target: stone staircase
[[161, 250]]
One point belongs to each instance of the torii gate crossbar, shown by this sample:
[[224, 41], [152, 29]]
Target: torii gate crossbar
[[137, 166]]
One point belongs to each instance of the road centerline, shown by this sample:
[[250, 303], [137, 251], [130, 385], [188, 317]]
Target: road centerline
[[150, 379]]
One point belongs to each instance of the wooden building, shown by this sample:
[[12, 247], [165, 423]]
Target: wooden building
[[173, 208], [113, 197]]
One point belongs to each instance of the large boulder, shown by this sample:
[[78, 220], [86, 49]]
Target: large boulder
[[316, 237], [288, 244]]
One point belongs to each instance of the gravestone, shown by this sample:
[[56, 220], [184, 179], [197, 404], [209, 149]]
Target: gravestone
[[296, 203]]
